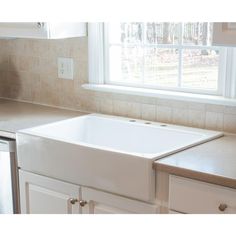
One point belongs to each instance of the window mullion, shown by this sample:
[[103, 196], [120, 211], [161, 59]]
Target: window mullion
[[143, 50], [180, 51]]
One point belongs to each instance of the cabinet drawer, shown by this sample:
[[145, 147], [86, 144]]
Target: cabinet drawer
[[192, 196]]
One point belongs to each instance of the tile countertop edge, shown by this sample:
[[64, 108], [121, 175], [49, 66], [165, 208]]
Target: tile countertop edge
[[197, 175]]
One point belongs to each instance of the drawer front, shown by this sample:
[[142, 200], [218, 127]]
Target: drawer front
[[192, 196]]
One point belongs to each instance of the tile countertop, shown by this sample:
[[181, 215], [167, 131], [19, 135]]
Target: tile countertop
[[15, 116], [213, 162]]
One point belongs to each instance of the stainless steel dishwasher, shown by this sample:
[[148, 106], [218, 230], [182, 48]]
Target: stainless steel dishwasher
[[9, 199]]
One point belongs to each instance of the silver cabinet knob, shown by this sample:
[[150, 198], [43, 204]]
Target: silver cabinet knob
[[222, 207], [82, 203], [73, 200], [40, 25]]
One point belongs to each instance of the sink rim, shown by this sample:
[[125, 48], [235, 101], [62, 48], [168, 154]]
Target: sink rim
[[154, 124]]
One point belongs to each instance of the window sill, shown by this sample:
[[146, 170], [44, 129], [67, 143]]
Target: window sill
[[181, 96]]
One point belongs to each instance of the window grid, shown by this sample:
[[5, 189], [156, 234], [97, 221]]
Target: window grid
[[180, 47]]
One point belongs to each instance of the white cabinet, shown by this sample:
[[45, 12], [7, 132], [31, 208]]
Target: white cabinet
[[192, 196], [42, 30], [98, 202], [224, 34], [39, 194]]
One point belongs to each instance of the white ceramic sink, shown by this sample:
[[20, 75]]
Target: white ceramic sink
[[105, 152], [149, 140]]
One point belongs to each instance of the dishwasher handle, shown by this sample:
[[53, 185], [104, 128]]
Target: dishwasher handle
[[7, 145]]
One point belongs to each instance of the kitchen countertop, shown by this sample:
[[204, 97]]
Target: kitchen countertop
[[15, 116], [213, 162]]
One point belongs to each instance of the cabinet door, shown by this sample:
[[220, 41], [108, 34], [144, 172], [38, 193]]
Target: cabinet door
[[24, 30], [43, 30], [66, 30], [224, 34], [42, 195], [98, 202]]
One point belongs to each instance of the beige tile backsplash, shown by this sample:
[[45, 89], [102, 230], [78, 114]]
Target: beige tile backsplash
[[28, 71]]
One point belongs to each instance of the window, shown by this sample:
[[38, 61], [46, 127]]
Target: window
[[166, 56], [176, 56]]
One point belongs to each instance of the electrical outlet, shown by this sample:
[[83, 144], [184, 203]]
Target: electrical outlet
[[65, 68]]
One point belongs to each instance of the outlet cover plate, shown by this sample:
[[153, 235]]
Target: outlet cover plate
[[65, 68]]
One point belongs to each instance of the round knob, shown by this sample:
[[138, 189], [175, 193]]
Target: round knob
[[40, 24], [222, 207], [73, 200], [82, 203]]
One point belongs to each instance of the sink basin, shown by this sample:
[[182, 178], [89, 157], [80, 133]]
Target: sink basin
[[110, 153], [138, 138]]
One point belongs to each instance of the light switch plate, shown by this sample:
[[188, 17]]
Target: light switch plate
[[65, 68]]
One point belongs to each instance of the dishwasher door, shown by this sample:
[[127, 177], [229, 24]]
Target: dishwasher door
[[8, 177]]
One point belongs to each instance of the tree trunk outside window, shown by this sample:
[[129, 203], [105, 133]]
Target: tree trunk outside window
[[166, 33]]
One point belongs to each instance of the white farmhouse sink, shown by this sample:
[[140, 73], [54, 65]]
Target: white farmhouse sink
[[105, 152]]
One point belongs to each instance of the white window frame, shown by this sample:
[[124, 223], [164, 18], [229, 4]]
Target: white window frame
[[98, 72]]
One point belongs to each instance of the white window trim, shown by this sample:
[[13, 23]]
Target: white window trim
[[179, 96], [230, 75], [97, 76], [96, 53]]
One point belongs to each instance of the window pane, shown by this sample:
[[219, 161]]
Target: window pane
[[126, 33], [161, 67], [162, 33], [198, 33], [147, 53], [200, 69], [126, 64]]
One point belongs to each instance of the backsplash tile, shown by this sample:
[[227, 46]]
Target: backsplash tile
[[230, 123], [28, 71], [180, 116], [196, 118], [164, 114], [148, 112], [214, 120]]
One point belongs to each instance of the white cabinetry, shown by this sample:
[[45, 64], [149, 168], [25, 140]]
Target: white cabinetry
[[42, 30], [99, 202], [40, 194], [224, 34], [192, 196]]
